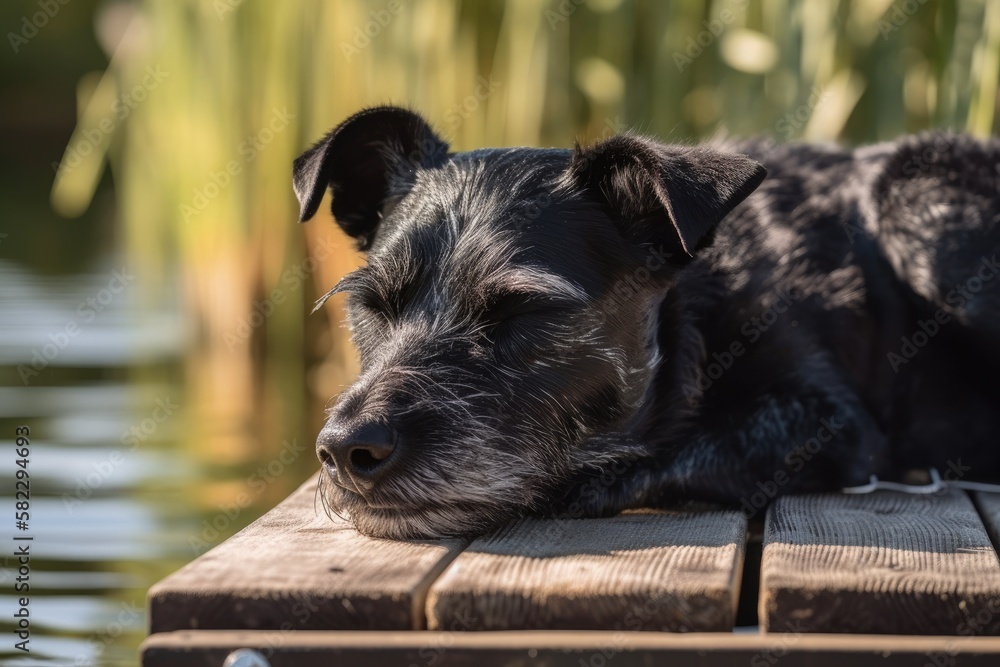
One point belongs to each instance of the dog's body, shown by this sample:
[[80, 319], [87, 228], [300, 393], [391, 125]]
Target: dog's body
[[579, 332], [857, 288]]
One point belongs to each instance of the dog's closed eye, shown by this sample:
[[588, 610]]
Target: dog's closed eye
[[512, 305], [519, 318]]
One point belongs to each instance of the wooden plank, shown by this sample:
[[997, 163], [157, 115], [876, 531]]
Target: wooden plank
[[569, 649], [294, 568], [879, 563], [658, 571]]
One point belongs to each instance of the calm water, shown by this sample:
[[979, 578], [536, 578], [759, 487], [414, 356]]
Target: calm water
[[119, 495]]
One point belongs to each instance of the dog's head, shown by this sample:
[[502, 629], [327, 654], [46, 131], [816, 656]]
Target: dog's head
[[506, 315]]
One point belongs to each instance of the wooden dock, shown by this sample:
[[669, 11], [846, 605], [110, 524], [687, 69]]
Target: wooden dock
[[833, 579]]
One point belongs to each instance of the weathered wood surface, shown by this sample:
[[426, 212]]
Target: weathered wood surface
[[657, 571], [569, 649], [295, 568], [879, 563]]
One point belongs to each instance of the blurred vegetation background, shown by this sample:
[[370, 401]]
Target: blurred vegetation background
[[221, 95]]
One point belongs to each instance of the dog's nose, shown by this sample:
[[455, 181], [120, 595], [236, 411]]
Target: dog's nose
[[362, 453]]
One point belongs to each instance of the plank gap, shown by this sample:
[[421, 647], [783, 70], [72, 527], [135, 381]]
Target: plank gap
[[746, 610]]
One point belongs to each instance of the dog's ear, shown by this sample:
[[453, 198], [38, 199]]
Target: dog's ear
[[365, 160], [656, 189]]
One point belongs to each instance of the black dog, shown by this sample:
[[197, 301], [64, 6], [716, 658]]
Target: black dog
[[579, 332]]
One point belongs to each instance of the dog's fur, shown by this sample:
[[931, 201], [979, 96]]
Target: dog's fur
[[575, 332]]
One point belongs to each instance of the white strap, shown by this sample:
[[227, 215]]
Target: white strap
[[936, 484]]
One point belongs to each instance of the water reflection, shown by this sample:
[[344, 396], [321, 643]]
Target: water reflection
[[126, 485]]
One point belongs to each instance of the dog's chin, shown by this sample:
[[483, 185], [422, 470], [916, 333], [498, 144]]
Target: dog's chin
[[414, 519]]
